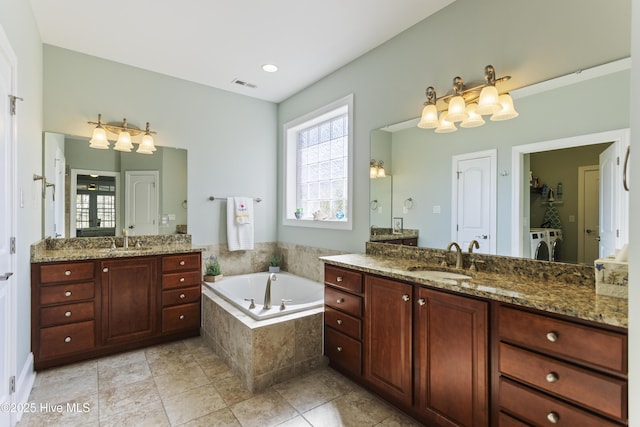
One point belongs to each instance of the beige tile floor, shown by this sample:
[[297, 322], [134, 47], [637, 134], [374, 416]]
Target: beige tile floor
[[185, 384]]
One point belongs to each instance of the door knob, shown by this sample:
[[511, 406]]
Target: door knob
[[6, 276], [483, 236]]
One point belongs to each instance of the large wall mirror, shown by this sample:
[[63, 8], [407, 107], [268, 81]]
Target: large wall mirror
[[557, 138], [92, 192]]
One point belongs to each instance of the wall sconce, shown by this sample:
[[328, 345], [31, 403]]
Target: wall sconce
[[376, 169], [467, 104], [124, 131]]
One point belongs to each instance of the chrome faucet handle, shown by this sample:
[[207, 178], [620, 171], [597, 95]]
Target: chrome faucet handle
[[138, 244], [252, 305], [113, 243], [282, 301]]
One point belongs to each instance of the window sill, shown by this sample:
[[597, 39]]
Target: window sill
[[326, 224]]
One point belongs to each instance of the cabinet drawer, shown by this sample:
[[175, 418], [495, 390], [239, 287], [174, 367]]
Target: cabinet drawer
[[345, 279], [343, 301], [343, 322], [505, 420], [186, 316], [541, 410], [605, 394], [68, 313], [56, 294], [181, 280], [580, 342], [343, 351], [181, 296], [66, 272], [181, 262], [65, 339]]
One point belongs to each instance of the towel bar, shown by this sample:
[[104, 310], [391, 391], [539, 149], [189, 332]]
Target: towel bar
[[212, 198]]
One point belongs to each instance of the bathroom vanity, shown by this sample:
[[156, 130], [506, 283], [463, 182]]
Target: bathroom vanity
[[89, 301], [458, 348]]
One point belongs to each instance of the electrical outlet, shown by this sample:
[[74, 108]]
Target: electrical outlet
[[436, 209]]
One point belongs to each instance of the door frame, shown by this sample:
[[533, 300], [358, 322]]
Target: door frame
[[493, 183], [519, 215], [12, 161], [581, 202]]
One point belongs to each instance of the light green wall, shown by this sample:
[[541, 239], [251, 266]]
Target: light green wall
[[531, 41], [174, 187], [230, 138]]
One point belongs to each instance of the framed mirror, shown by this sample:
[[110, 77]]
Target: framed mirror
[[99, 192]]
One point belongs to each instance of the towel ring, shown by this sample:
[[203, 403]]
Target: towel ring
[[408, 203]]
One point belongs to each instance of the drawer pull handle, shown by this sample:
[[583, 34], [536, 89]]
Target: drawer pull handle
[[340, 300], [67, 339], [182, 296], [552, 377], [105, 270], [339, 348], [181, 279], [405, 297], [421, 301], [182, 317], [67, 314], [553, 417], [339, 321], [339, 279], [552, 336], [67, 273], [181, 262], [67, 294]]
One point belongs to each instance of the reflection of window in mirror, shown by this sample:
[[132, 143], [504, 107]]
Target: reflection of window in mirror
[[95, 206]]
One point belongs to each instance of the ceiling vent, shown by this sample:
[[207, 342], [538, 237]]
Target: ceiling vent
[[242, 83]]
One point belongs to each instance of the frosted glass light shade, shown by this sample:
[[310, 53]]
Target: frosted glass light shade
[[124, 142], [429, 119], [507, 112], [474, 119], [99, 139], [381, 172], [488, 102], [146, 146], [373, 172], [445, 126], [457, 110]]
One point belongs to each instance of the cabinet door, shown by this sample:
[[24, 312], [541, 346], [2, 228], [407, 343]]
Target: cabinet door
[[388, 336], [129, 299], [452, 360]]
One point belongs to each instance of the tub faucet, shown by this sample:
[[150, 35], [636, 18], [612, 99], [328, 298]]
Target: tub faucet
[[458, 253], [267, 291]]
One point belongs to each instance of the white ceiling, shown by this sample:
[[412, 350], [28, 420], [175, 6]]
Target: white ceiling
[[213, 42]]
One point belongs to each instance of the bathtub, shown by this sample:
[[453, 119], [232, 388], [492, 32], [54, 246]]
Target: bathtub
[[304, 293]]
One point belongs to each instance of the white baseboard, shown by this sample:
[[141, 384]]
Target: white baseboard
[[24, 383]]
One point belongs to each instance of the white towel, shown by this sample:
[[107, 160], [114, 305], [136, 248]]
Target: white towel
[[242, 214], [239, 235]]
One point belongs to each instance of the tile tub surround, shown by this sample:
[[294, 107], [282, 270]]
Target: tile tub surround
[[567, 291], [266, 352], [80, 248]]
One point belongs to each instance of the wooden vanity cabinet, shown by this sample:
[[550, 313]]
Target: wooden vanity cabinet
[[86, 309], [552, 370], [129, 299]]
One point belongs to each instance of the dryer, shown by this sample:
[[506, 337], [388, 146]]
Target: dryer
[[539, 244], [554, 238]]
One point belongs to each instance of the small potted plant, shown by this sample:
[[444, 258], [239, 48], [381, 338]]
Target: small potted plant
[[274, 263], [298, 213], [212, 270]]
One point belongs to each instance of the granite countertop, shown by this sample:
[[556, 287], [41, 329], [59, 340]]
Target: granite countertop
[[570, 299], [84, 248]]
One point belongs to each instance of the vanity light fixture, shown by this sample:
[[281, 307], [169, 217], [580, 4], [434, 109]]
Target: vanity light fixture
[[124, 131], [376, 169], [467, 104]]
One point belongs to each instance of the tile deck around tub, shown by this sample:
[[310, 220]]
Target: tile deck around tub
[[185, 384]]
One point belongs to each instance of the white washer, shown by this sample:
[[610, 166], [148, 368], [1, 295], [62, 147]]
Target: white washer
[[539, 244], [554, 237]]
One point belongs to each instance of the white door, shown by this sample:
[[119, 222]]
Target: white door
[[474, 200], [609, 195], [588, 214], [141, 206], [7, 231]]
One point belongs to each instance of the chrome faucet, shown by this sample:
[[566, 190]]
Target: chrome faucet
[[472, 244], [267, 291], [458, 253]]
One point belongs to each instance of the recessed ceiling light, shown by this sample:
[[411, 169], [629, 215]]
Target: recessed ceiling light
[[270, 68]]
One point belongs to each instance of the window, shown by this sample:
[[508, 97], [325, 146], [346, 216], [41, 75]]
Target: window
[[95, 205], [318, 182]]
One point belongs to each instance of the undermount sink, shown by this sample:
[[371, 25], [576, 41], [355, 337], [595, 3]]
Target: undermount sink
[[431, 272]]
